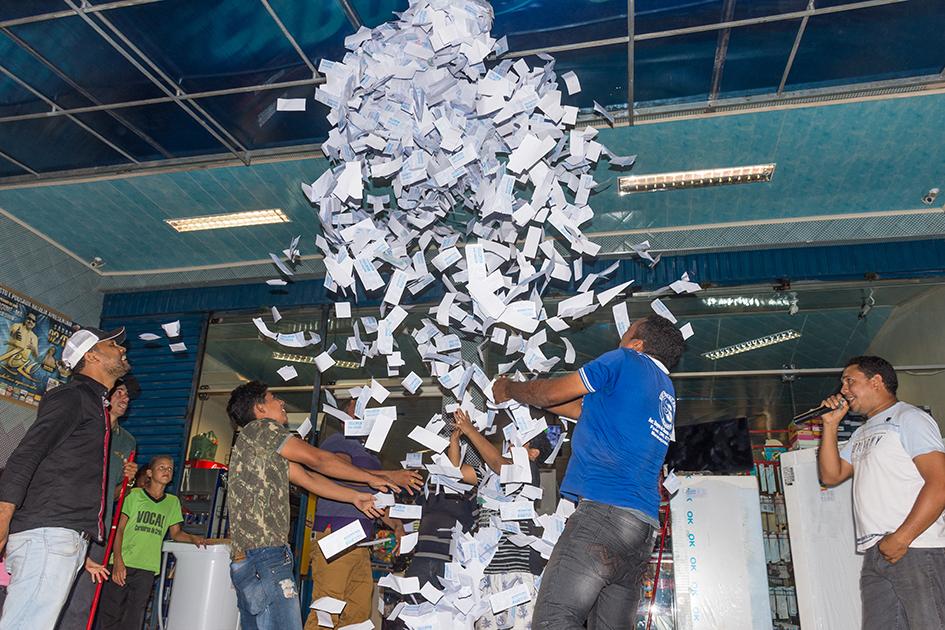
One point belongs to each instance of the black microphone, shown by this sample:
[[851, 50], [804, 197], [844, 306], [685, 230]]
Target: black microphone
[[810, 414]]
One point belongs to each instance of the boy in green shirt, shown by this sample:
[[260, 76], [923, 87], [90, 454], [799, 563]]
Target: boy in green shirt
[[147, 514]]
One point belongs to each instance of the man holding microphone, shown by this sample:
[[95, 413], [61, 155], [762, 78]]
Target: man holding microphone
[[897, 461]]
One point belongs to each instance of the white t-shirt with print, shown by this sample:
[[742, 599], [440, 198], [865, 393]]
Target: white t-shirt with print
[[886, 481]]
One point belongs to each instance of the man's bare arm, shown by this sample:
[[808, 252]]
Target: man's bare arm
[[543, 392], [571, 409], [6, 515], [301, 452]]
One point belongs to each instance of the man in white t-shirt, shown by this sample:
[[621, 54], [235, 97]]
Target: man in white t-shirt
[[897, 460]]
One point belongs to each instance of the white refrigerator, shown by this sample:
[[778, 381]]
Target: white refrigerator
[[826, 565], [718, 555]]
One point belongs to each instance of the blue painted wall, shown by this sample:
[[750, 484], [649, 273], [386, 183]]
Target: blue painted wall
[[888, 260]]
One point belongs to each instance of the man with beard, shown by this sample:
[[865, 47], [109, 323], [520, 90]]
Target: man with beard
[[897, 461], [53, 494], [75, 613]]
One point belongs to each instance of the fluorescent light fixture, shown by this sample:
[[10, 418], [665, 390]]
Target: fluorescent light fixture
[[740, 301], [754, 344], [304, 358], [294, 358], [233, 219], [696, 179]]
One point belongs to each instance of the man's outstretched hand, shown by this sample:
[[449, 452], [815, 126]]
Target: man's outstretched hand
[[500, 389]]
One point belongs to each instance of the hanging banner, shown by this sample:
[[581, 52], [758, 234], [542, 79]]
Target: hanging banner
[[31, 340]]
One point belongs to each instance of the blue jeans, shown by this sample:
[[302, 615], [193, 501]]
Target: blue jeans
[[43, 564], [594, 572], [265, 590], [908, 595]]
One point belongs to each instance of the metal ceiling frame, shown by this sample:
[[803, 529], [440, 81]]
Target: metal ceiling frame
[[721, 50], [187, 101], [631, 51], [55, 15], [797, 44], [190, 96], [351, 13], [179, 96], [704, 28], [204, 122], [26, 47], [29, 88]]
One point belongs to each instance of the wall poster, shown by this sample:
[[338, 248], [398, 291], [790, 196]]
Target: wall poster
[[31, 340]]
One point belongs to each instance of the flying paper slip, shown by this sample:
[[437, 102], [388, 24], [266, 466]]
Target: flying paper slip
[[408, 542], [429, 439], [517, 511], [172, 329], [402, 585], [290, 104], [339, 540], [514, 596], [329, 605], [405, 512]]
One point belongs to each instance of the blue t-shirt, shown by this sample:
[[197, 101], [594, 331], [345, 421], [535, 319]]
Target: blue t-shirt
[[620, 440]]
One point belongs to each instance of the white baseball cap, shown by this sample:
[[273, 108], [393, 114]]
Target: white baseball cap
[[84, 339]]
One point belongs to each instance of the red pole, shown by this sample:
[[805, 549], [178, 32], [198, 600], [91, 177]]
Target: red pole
[[108, 545], [659, 558]]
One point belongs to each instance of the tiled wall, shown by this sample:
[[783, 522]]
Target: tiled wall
[[33, 267]]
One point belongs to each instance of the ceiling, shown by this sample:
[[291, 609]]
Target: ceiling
[[115, 116], [118, 86]]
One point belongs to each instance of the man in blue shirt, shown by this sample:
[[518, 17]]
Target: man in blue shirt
[[625, 405]]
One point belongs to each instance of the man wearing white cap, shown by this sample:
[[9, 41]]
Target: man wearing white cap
[[53, 491]]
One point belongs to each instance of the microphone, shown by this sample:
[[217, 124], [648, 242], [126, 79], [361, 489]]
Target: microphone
[[810, 414]]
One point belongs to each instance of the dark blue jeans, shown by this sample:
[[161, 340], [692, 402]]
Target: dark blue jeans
[[594, 572], [908, 595], [265, 590]]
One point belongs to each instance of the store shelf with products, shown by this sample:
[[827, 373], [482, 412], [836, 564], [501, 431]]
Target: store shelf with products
[[781, 585]]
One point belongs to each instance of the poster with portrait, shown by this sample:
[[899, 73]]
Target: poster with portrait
[[31, 340]]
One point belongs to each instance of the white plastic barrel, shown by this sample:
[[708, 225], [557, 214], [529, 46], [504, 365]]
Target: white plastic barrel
[[202, 595]]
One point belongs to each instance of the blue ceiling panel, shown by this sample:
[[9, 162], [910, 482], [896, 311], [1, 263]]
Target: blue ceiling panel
[[747, 9], [843, 158], [121, 135], [207, 46], [252, 118], [601, 71], [540, 23], [16, 9], [665, 15], [15, 99], [830, 160], [757, 56], [32, 72], [173, 128], [86, 58], [676, 69], [321, 27], [884, 42], [9, 169], [64, 145], [376, 12]]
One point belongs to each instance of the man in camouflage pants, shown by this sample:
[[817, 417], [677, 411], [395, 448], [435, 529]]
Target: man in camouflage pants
[[265, 459]]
